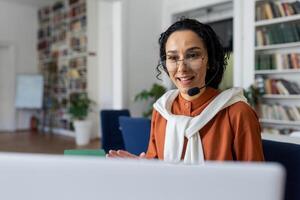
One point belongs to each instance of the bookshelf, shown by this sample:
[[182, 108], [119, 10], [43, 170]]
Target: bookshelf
[[277, 20], [277, 64], [276, 71], [62, 54], [278, 46], [278, 96], [280, 122]]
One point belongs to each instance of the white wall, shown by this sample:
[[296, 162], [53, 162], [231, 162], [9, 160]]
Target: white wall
[[7, 81], [107, 68], [18, 24], [244, 32], [127, 52], [144, 27], [123, 34]]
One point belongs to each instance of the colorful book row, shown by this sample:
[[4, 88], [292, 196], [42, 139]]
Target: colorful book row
[[280, 112], [275, 9], [280, 86], [277, 34], [277, 61]]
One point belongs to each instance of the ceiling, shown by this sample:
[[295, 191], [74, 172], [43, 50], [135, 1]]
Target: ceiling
[[38, 3]]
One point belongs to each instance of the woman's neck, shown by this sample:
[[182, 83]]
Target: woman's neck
[[191, 98]]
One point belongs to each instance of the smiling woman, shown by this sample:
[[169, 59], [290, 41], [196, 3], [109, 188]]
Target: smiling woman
[[208, 124], [186, 46]]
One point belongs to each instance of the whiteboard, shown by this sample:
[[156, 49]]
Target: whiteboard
[[29, 92]]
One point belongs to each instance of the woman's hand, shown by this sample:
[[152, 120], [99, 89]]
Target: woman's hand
[[124, 154]]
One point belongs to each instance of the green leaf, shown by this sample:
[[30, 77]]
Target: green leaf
[[154, 93], [79, 105]]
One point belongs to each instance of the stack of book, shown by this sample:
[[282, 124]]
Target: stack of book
[[274, 9], [278, 33], [62, 48], [280, 86], [280, 112], [277, 61]]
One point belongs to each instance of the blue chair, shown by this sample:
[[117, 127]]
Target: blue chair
[[288, 155], [136, 133], [111, 135]]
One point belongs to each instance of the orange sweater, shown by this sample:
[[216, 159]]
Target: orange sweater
[[233, 134]]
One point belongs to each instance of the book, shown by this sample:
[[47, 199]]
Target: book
[[281, 88], [295, 87], [290, 113], [85, 152], [268, 86], [285, 61], [268, 11], [280, 8], [259, 82], [296, 113], [276, 112], [278, 61], [273, 87], [288, 85], [259, 38], [275, 9], [294, 61], [283, 115], [296, 7]]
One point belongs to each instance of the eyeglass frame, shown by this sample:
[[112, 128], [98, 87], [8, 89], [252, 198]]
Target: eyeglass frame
[[163, 63]]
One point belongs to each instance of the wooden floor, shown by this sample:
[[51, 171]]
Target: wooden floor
[[27, 142]]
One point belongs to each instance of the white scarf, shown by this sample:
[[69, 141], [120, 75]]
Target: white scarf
[[180, 126]]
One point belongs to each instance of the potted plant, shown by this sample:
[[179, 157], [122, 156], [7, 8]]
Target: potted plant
[[253, 95], [80, 106], [151, 95]]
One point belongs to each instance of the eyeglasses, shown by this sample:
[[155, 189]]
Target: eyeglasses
[[192, 60]]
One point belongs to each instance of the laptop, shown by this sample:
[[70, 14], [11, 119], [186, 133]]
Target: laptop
[[49, 177]]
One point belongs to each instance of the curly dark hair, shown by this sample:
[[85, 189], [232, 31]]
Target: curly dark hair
[[217, 57]]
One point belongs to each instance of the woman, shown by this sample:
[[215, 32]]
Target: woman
[[197, 122]]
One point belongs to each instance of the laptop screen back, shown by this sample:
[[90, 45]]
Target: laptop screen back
[[36, 177]]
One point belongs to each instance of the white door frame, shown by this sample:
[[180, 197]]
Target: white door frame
[[11, 51]]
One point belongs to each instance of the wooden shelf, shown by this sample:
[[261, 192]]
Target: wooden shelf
[[277, 20], [280, 138], [278, 96], [277, 46], [275, 71], [280, 122]]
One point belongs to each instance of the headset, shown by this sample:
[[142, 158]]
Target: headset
[[196, 90]]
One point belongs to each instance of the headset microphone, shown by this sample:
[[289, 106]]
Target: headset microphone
[[196, 90], [193, 91]]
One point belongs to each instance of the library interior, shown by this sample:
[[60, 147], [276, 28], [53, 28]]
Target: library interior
[[86, 91]]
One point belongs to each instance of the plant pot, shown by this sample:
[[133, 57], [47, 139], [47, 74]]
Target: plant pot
[[82, 132]]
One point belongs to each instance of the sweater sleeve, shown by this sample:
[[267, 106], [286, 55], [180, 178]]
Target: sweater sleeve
[[247, 144], [152, 152]]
